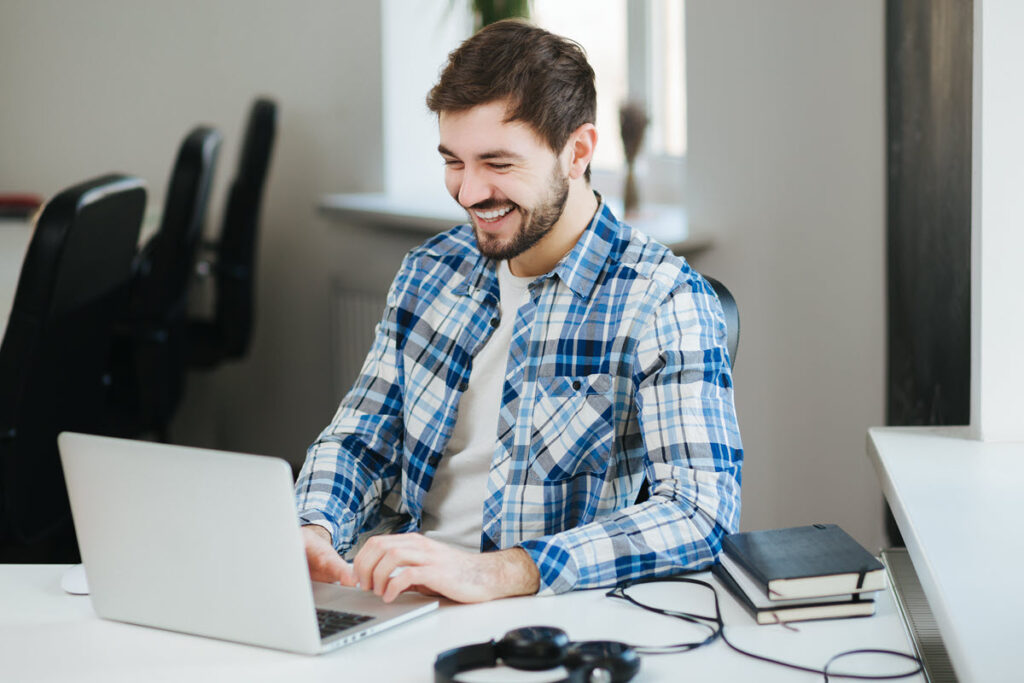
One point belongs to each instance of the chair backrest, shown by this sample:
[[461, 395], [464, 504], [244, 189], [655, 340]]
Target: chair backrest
[[732, 317], [150, 348], [164, 265], [236, 248], [73, 286]]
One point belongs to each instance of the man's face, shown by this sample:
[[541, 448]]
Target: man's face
[[511, 184]]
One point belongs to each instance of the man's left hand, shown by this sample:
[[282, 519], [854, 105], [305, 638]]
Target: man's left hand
[[434, 567]]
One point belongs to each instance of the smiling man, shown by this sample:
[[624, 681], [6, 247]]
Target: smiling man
[[532, 369]]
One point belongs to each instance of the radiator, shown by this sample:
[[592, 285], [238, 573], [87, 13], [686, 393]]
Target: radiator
[[354, 317], [918, 617]]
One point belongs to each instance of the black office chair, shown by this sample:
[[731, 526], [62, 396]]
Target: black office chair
[[227, 336], [73, 285], [150, 347], [732, 343], [732, 317]]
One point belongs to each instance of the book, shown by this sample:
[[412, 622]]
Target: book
[[765, 611], [805, 562]]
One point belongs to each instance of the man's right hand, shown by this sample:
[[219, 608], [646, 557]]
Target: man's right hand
[[325, 564]]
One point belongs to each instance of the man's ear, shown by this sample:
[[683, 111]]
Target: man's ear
[[581, 146]]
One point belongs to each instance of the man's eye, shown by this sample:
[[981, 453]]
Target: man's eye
[[501, 167], [452, 163]]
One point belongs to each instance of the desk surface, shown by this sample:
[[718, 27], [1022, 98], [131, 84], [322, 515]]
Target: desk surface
[[958, 504], [47, 635]]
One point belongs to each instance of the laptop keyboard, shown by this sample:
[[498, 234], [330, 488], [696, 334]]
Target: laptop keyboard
[[332, 622]]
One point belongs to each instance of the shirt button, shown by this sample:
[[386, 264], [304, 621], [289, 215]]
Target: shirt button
[[576, 385], [494, 322], [463, 386]]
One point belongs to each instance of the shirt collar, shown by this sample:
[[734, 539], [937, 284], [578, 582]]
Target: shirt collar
[[581, 267]]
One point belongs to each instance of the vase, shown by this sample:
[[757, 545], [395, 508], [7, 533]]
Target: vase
[[630, 194]]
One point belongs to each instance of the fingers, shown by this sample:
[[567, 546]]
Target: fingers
[[393, 564], [410, 577], [325, 564], [382, 555]]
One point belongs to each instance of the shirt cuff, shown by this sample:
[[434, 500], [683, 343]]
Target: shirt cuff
[[333, 528], [558, 570]]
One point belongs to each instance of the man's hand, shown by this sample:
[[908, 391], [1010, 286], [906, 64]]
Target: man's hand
[[432, 567], [325, 564]]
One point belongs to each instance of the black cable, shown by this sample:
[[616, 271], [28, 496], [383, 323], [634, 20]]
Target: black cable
[[716, 626], [620, 593]]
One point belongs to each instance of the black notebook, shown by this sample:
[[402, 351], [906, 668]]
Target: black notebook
[[765, 611], [805, 562]]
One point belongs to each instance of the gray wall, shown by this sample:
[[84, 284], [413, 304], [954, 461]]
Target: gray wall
[[787, 166], [116, 84]]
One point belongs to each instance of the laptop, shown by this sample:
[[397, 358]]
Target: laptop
[[208, 543]]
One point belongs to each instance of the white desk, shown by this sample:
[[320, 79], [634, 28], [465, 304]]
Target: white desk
[[959, 506], [46, 635]]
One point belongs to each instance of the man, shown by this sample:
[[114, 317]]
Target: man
[[531, 370]]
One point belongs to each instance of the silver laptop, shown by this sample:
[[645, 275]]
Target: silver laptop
[[208, 543]]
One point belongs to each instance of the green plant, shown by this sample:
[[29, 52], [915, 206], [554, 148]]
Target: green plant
[[489, 11]]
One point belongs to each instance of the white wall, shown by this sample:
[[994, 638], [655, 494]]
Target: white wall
[[787, 165], [997, 241], [115, 85]]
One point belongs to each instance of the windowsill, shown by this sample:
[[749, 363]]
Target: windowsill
[[958, 508], [666, 223]]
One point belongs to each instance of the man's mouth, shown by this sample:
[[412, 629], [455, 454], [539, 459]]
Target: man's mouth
[[492, 215]]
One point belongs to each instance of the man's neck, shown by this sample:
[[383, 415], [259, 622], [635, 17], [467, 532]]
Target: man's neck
[[541, 258]]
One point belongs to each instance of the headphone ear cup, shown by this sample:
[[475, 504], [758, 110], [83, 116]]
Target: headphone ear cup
[[618, 659], [533, 648]]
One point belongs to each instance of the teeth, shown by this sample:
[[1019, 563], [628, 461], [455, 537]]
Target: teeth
[[492, 215]]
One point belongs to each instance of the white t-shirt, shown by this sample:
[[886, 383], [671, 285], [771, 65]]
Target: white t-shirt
[[453, 508]]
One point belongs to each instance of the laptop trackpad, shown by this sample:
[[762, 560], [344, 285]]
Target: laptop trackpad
[[334, 597]]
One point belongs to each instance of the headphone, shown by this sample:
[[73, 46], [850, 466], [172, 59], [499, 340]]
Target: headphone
[[536, 648]]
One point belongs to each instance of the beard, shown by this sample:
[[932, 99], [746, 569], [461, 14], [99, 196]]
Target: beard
[[536, 222]]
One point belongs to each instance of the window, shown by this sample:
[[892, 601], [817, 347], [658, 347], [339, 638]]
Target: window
[[637, 50], [600, 27]]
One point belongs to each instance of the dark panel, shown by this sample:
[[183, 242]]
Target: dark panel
[[928, 68]]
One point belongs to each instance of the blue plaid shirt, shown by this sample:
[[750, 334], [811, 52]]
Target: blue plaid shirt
[[617, 372]]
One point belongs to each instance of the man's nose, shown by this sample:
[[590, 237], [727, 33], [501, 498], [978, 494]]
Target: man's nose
[[473, 189]]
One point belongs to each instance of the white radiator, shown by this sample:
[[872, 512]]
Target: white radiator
[[354, 317]]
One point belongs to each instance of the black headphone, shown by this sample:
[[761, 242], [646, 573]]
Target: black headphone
[[535, 648]]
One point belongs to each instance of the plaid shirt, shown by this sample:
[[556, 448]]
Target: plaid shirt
[[617, 371]]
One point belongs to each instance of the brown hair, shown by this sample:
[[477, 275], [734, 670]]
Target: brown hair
[[546, 78]]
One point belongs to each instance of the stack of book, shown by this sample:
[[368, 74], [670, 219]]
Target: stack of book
[[800, 573]]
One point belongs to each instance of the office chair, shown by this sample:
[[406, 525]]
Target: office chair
[[732, 343], [150, 346], [227, 336], [732, 317], [73, 286]]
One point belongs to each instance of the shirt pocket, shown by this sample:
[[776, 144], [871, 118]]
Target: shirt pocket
[[573, 427]]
